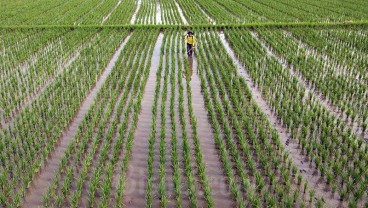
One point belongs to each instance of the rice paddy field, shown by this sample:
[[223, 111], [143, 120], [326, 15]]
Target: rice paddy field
[[100, 106]]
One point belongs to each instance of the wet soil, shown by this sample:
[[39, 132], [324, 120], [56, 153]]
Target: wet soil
[[290, 145], [41, 181]]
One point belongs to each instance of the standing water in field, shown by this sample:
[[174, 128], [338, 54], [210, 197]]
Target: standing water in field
[[136, 183], [158, 13], [181, 14], [134, 17]]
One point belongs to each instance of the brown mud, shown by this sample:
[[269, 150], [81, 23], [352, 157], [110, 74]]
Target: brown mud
[[42, 180], [290, 145]]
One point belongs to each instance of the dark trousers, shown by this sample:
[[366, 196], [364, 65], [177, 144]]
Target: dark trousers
[[189, 49]]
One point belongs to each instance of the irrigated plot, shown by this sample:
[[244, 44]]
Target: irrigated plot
[[101, 105]]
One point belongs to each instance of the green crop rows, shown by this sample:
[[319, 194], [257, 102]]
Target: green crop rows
[[283, 88]]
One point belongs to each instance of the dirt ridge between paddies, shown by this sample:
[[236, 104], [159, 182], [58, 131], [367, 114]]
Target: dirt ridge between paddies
[[363, 23]]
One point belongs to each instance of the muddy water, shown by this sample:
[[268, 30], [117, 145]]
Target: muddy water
[[136, 180], [134, 17], [290, 145], [181, 14], [109, 14], [41, 181], [215, 172], [158, 13]]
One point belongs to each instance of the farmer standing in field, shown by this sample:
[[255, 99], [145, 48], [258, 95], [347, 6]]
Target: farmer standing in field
[[191, 42]]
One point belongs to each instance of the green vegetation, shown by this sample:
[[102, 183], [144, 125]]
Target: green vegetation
[[286, 103]]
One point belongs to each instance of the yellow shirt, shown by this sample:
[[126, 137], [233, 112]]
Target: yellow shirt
[[190, 39]]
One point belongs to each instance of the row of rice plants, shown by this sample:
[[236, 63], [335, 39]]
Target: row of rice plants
[[351, 58], [66, 12], [175, 161], [22, 52], [194, 165], [312, 12], [19, 83], [338, 155], [201, 168], [97, 150], [17, 40], [162, 134], [354, 38], [349, 95], [97, 14], [216, 11], [169, 61], [19, 12], [166, 50], [147, 12], [242, 13], [123, 13], [257, 175], [192, 12], [169, 12], [349, 10], [287, 11], [39, 126]]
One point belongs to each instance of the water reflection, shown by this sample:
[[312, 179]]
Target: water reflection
[[189, 73]]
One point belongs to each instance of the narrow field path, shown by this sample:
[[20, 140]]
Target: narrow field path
[[104, 19], [134, 17], [47, 171], [291, 147], [34, 96], [136, 180], [220, 191], [181, 14], [308, 88]]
